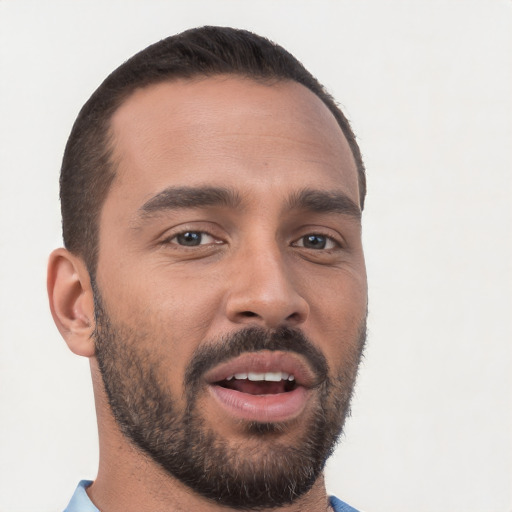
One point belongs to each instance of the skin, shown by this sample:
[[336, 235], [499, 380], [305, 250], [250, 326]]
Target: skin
[[265, 143]]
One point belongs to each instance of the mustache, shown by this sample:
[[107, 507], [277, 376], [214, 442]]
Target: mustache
[[254, 339]]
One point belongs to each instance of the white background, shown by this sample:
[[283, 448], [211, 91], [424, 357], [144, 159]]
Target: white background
[[428, 87]]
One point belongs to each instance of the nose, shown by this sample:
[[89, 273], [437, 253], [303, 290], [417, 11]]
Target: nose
[[262, 291]]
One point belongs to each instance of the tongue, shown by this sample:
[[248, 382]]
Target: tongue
[[256, 388]]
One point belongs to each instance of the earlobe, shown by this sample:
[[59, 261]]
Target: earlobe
[[71, 301]]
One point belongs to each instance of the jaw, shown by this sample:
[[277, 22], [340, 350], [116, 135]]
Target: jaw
[[274, 442]]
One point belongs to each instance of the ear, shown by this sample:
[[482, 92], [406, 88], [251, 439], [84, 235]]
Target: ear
[[71, 301]]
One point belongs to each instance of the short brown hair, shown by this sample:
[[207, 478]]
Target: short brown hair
[[87, 170]]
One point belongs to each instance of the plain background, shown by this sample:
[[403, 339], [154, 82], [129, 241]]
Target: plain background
[[427, 85]]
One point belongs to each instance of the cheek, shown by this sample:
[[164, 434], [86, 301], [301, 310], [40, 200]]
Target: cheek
[[174, 310], [177, 295], [338, 318]]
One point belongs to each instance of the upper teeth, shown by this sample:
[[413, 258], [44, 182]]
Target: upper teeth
[[269, 376]]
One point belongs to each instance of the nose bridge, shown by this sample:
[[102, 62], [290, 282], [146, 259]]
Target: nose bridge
[[263, 290]]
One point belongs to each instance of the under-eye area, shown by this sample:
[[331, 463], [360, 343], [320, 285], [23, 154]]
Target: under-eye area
[[269, 383]]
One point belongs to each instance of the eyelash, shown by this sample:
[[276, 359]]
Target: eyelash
[[328, 240], [170, 240]]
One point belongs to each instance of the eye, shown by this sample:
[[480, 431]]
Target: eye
[[316, 241], [193, 239]]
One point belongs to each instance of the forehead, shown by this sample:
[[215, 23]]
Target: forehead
[[229, 131]]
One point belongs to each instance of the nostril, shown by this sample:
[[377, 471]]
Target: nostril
[[248, 314]]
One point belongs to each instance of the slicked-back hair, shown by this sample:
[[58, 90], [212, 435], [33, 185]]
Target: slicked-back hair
[[88, 170]]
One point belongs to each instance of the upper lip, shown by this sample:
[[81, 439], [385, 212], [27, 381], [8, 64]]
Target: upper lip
[[265, 361]]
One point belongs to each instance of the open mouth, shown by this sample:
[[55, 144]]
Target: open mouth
[[267, 383], [262, 386]]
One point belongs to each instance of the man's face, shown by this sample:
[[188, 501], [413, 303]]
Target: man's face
[[231, 286]]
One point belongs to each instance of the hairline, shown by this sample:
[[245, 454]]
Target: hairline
[[109, 141]]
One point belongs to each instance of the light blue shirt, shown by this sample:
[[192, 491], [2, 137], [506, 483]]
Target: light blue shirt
[[80, 502]]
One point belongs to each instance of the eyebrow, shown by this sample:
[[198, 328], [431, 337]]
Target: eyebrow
[[321, 201], [174, 198]]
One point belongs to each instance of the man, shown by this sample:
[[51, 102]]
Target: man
[[213, 274]]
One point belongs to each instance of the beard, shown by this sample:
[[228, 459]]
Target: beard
[[276, 463]]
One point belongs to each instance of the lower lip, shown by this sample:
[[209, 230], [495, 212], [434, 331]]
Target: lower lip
[[261, 408]]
